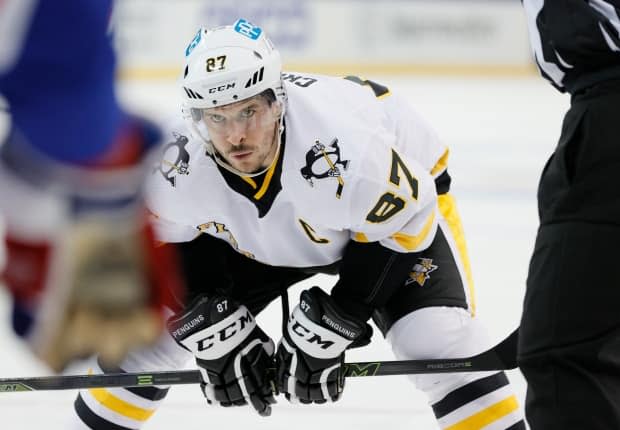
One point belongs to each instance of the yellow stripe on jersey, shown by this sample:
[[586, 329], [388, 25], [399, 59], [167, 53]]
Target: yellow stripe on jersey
[[360, 237], [410, 242], [267, 180], [447, 207], [441, 164], [250, 181], [487, 416], [120, 406]]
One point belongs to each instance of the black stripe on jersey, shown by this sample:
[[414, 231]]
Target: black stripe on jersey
[[378, 89], [91, 419], [148, 393], [517, 426], [468, 393], [442, 182]]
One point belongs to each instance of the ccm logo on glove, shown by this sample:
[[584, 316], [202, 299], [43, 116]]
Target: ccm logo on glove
[[218, 337], [243, 322], [321, 340], [310, 337]]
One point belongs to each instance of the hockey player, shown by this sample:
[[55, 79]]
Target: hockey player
[[274, 177], [569, 350], [81, 267]]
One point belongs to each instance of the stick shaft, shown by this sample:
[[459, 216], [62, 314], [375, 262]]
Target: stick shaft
[[501, 357]]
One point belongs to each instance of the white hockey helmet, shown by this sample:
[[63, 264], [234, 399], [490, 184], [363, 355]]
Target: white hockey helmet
[[228, 64]]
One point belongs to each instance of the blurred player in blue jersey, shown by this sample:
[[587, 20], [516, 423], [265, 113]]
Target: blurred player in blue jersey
[[81, 265]]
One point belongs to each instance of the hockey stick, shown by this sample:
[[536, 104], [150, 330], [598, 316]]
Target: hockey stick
[[503, 356]]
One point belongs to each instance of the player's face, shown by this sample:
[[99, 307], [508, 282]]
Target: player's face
[[244, 133]]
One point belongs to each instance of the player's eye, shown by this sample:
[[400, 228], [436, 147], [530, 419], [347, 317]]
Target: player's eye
[[247, 113], [216, 118]]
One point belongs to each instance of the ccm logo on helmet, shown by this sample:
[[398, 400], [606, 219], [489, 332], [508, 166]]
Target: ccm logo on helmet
[[225, 333], [223, 87]]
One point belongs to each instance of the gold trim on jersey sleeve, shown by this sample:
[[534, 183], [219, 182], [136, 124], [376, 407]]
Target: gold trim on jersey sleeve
[[311, 233], [411, 242], [441, 164], [485, 417], [360, 237], [120, 406], [447, 208]]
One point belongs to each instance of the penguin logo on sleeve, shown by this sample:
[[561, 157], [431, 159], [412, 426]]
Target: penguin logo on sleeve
[[325, 162], [175, 160]]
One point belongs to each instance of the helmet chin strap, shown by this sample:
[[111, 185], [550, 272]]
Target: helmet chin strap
[[277, 139]]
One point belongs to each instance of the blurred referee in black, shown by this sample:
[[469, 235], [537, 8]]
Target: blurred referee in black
[[569, 350]]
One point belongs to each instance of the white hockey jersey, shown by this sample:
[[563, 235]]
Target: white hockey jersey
[[356, 163]]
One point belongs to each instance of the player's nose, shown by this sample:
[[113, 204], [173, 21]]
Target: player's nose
[[236, 133]]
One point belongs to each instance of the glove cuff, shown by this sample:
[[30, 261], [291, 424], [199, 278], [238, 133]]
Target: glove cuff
[[349, 305]]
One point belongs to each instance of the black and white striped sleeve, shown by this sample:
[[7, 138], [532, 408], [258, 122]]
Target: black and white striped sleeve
[[576, 43]]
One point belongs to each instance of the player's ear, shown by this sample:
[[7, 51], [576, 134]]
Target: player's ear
[[276, 108]]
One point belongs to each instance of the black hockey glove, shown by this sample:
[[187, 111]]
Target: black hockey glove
[[232, 352], [311, 354]]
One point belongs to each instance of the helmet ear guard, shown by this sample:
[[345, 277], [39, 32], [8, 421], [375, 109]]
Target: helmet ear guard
[[196, 114]]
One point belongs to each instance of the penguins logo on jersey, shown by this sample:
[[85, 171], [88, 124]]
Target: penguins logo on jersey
[[175, 160], [421, 271], [322, 162]]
